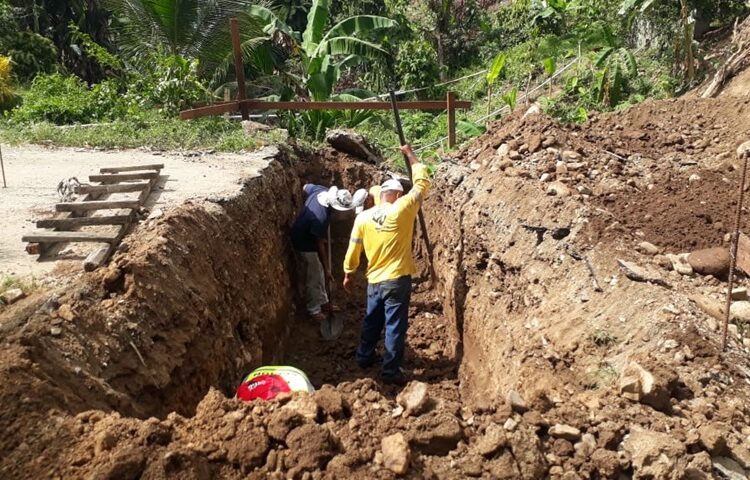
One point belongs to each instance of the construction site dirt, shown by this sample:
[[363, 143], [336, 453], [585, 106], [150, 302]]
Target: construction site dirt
[[541, 357]]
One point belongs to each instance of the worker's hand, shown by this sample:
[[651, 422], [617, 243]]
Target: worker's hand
[[347, 283], [406, 149]]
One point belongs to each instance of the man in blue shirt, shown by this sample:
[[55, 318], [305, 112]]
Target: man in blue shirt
[[308, 232]]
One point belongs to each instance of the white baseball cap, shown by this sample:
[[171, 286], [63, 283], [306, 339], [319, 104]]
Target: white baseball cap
[[391, 185]]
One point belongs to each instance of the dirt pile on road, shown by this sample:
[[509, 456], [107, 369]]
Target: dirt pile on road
[[534, 354]]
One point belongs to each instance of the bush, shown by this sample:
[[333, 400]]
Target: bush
[[58, 99], [416, 64], [31, 53]]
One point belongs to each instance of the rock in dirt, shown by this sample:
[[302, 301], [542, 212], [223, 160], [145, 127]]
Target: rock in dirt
[[648, 248], [436, 434], [311, 446], [681, 265], [396, 453], [248, 448], [606, 463], [494, 439], [564, 431], [12, 295], [352, 143], [251, 128], [332, 403], [640, 274], [656, 455], [729, 468], [710, 261], [739, 293], [712, 437], [414, 398], [653, 387], [304, 404], [740, 311], [558, 189], [516, 401], [283, 421], [740, 454], [125, 464]]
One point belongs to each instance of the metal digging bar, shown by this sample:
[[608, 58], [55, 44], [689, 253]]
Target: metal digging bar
[[422, 224]]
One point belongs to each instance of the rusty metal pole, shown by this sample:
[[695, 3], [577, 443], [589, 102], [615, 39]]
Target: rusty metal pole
[[450, 103], [239, 67], [2, 167], [743, 151]]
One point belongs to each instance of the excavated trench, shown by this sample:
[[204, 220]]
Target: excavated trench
[[198, 298]]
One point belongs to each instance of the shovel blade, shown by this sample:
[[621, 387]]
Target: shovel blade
[[331, 327]]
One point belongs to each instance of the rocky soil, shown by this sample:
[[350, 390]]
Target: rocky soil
[[572, 330]]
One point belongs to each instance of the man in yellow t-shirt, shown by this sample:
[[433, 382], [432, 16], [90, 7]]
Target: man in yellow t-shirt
[[385, 233]]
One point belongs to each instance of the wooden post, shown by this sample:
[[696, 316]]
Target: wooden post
[[238, 66], [2, 166], [451, 119]]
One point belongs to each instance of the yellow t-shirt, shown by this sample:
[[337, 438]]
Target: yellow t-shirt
[[385, 232]]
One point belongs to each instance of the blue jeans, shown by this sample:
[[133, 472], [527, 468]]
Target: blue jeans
[[387, 306]]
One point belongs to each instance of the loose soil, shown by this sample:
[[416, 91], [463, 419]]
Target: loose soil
[[527, 364]]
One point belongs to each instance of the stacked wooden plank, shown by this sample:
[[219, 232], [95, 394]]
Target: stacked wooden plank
[[72, 216]]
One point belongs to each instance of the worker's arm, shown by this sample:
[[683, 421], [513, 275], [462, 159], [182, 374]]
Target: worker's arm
[[420, 180], [353, 254]]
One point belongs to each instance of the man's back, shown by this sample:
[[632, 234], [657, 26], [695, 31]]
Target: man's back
[[312, 221], [386, 231]]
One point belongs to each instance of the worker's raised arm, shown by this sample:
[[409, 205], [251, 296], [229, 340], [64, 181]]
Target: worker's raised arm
[[420, 180]]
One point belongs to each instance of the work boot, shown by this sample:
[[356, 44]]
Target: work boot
[[330, 307], [365, 364], [398, 378], [318, 317]]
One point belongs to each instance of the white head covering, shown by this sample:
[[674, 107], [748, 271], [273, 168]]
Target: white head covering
[[341, 200]]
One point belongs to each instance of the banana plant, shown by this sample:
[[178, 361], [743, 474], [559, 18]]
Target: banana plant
[[616, 64], [493, 73], [325, 54]]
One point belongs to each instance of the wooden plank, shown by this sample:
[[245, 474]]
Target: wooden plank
[[112, 188], [239, 66], [132, 168], [743, 253], [451, 102], [261, 105], [57, 237], [123, 177], [96, 205], [75, 222]]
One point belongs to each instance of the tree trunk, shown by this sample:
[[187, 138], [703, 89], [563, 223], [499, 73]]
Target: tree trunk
[[440, 55]]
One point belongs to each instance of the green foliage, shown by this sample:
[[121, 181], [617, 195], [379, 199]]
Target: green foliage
[[176, 84], [510, 98], [87, 45], [27, 285], [550, 66], [58, 99], [153, 132], [31, 53], [497, 68], [416, 66], [7, 96]]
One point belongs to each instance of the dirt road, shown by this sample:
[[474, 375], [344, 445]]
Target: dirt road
[[33, 173]]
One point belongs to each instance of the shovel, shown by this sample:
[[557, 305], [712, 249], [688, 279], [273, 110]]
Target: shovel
[[332, 326]]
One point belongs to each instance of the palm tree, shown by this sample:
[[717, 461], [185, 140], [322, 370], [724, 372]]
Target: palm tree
[[191, 29]]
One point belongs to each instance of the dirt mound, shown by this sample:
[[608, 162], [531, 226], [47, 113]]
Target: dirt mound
[[665, 172], [540, 357]]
